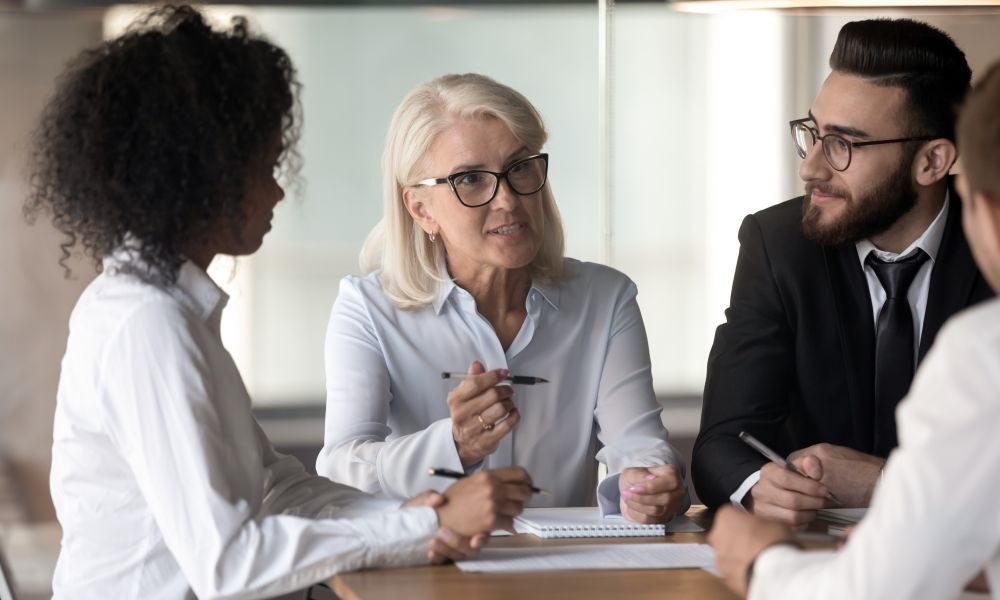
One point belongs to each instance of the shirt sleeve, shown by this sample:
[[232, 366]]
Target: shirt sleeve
[[356, 450], [627, 413], [291, 490], [741, 492], [933, 523], [172, 418]]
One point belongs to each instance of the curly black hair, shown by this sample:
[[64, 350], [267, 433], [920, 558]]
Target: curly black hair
[[150, 137]]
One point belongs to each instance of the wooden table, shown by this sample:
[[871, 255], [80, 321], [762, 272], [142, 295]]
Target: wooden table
[[446, 581]]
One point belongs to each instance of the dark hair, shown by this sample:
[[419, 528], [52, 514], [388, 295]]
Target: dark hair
[[915, 56], [150, 137], [979, 135]]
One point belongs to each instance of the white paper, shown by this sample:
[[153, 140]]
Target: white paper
[[842, 515], [590, 557]]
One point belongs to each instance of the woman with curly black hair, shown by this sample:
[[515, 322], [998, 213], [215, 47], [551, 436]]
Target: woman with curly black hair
[[159, 151]]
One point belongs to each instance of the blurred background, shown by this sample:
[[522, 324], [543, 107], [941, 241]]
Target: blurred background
[[668, 124]]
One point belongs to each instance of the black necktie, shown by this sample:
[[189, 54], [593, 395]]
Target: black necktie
[[894, 344]]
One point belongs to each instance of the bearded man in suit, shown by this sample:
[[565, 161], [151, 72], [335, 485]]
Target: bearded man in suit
[[838, 294]]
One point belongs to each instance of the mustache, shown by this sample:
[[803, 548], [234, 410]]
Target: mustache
[[827, 189]]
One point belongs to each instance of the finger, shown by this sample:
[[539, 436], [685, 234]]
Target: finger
[[439, 552], [632, 476], [496, 413], [479, 380], [429, 498], [652, 510], [510, 508], [790, 499], [812, 467], [500, 429], [517, 491], [784, 515], [478, 541], [516, 475], [467, 407], [458, 543], [655, 483], [503, 522], [650, 499], [665, 470], [639, 517], [785, 479]]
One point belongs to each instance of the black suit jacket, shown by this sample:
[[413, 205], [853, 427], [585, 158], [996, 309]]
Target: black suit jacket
[[794, 362]]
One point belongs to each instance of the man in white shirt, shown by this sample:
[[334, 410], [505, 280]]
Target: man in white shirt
[[934, 524], [838, 295]]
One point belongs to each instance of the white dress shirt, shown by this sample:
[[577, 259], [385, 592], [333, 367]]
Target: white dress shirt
[[387, 418], [930, 242], [163, 482], [934, 522]]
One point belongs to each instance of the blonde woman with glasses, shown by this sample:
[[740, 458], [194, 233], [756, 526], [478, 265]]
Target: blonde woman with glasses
[[466, 274]]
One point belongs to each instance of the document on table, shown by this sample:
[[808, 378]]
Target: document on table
[[841, 519], [849, 516], [591, 557]]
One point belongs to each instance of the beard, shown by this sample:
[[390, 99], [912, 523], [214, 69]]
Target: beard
[[865, 216]]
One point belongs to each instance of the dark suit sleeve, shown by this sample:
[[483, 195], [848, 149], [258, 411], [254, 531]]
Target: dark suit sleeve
[[750, 370]]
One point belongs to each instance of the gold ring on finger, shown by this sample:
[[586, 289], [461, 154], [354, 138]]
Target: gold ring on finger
[[486, 426]]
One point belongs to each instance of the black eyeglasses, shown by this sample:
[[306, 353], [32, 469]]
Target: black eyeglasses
[[477, 188], [837, 148]]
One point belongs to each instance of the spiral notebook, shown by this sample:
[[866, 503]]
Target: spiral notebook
[[586, 522]]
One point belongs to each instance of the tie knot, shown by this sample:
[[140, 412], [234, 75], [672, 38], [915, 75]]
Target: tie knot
[[897, 276]]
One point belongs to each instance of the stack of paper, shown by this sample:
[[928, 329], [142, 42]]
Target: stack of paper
[[589, 557], [840, 519]]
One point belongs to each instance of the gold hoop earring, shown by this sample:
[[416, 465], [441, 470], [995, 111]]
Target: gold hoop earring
[[432, 237]]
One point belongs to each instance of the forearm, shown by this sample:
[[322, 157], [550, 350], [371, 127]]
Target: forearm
[[397, 467], [282, 554]]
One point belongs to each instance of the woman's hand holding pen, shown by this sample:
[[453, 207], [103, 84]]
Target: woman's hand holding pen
[[650, 494], [482, 413], [485, 501], [446, 544]]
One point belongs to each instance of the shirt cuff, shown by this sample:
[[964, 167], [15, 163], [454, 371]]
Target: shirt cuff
[[744, 489], [766, 561], [609, 496], [398, 538]]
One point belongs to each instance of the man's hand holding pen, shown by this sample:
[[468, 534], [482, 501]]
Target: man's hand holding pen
[[482, 413]]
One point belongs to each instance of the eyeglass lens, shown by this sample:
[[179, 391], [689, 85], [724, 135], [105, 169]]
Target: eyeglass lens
[[836, 148], [475, 188]]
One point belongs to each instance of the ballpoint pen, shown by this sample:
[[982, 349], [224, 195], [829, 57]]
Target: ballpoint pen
[[515, 379], [457, 475], [778, 460]]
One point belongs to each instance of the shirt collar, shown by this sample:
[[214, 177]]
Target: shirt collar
[[447, 287], [929, 241], [193, 288], [203, 295]]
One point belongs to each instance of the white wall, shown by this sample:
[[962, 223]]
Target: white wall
[[35, 298]]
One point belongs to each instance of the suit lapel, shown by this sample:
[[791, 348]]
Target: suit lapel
[[952, 279], [857, 337]]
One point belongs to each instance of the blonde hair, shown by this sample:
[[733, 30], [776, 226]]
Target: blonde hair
[[410, 263]]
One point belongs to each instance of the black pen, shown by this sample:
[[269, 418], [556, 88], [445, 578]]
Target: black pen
[[778, 460], [456, 475], [515, 379]]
